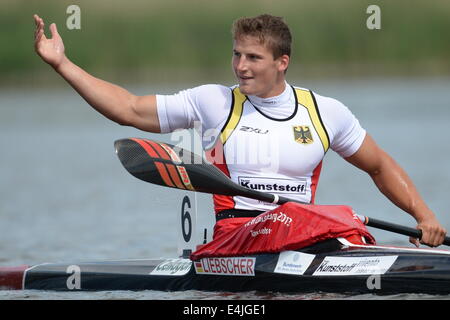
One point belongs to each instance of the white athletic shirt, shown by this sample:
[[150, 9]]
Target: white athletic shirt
[[275, 144]]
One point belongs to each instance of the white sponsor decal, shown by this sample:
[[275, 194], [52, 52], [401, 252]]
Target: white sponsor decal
[[274, 216], [274, 185], [337, 266], [173, 267], [232, 266], [293, 262], [263, 231]]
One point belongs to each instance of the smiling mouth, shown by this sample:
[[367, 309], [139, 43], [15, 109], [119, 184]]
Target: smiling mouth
[[242, 78]]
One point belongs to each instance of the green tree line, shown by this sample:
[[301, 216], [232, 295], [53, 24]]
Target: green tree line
[[154, 40]]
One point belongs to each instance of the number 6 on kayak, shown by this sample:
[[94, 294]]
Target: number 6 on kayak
[[191, 231]]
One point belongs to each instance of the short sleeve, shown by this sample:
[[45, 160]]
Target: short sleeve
[[344, 130], [207, 104]]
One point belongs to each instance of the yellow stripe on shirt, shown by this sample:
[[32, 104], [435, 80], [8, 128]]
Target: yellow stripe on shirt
[[235, 115], [306, 99]]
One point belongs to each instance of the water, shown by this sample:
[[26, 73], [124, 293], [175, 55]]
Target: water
[[64, 196]]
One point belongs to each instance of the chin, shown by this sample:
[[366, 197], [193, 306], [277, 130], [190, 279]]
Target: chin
[[247, 90]]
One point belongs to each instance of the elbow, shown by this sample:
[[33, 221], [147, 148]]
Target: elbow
[[383, 163], [374, 172], [385, 167]]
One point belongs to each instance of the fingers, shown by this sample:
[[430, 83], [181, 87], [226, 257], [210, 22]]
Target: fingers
[[39, 32], [433, 236], [38, 21], [54, 30], [415, 242], [39, 25], [438, 237]]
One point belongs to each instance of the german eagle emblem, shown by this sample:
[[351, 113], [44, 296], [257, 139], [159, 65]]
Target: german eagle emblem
[[303, 135]]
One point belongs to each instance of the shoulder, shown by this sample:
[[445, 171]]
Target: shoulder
[[333, 112], [344, 130], [328, 104], [206, 103], [323, 101], [330, 109], [213, 91], [211, 100], [201, 94], [211, 104]]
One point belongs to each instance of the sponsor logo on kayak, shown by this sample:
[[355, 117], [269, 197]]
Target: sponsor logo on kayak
[[274, 185], [337, 266], [293, 262], [172, 267], [227, 266]]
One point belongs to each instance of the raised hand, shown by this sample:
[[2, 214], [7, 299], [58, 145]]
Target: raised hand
[[50, 50]]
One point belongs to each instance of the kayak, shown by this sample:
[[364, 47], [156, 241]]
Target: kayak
[[335, 265]]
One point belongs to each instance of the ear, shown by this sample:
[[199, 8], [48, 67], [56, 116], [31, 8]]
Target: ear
[[283, 62]]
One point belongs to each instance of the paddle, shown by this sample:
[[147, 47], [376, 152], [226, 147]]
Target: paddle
[[175, 167]]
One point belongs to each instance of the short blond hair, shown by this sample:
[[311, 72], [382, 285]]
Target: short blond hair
[[272, 31]]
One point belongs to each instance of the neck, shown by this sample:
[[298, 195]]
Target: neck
[[272, 100], [275, 91]]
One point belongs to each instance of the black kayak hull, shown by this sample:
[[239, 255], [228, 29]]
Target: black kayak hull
[[343, 269]]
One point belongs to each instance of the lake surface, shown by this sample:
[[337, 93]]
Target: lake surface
[[64, 195]]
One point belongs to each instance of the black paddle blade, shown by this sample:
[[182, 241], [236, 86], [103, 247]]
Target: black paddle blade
[[171, 166]]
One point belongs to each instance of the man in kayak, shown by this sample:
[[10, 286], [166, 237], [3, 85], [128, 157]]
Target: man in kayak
[[263, 115]]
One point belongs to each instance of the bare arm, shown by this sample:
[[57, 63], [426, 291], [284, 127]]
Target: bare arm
[[112, 101], [395, 184]]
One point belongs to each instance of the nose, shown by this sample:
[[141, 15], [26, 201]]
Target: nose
[[240, 63]]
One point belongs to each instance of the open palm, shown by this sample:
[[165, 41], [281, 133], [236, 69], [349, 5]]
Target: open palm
[[50, 50]]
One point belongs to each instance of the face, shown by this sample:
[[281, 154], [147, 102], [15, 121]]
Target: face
[[256, 70]]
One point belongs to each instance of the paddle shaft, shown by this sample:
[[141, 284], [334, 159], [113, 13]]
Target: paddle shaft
[[392, 227], [371, 222], [139, 157]]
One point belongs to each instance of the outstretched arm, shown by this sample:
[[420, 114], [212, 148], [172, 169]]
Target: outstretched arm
[[112, 101], [395, 184]]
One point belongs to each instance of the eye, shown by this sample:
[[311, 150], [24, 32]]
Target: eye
[[236, 54], [254, 57]]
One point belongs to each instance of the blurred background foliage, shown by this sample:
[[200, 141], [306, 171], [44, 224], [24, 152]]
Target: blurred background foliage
[[175, 41]]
